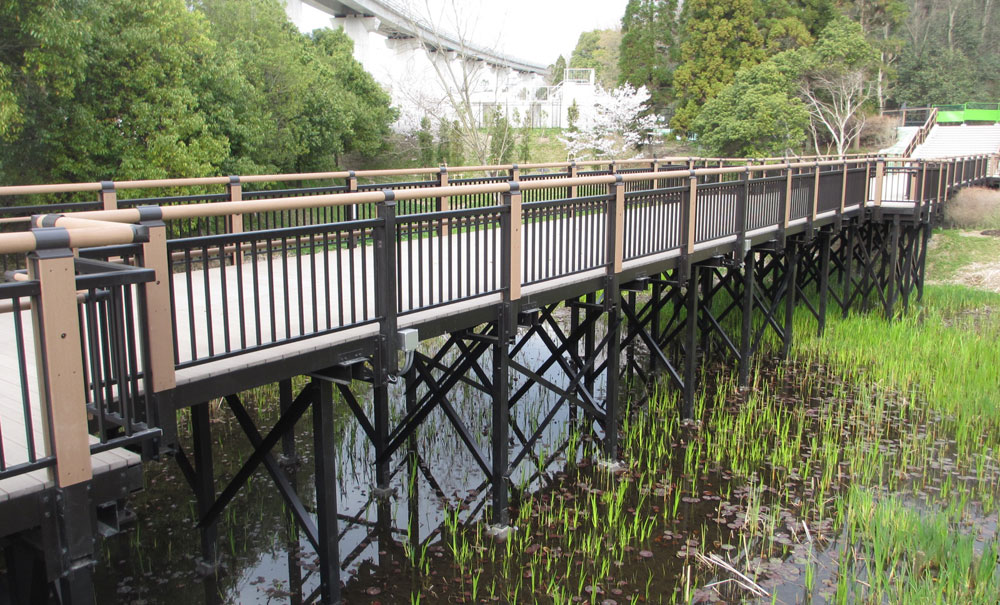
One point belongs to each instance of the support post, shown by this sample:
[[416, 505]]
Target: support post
[[501, 417], [385, 362], [159, 328], [612, 306], [746, 326], [201, 434], [107, 196], [59, 361], [690, 345], [892, 289], [791, 266], [59, 364], [824, 279], [326, 493], [511, 259], [289, 457]]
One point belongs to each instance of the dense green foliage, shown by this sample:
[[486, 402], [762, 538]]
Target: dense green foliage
[[758, 115], [720, 38], [126, 89], [649, 53], [599, 50]]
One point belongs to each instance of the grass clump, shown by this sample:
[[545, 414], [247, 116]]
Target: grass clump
[[973, 208], [942, 356], [908, 556]]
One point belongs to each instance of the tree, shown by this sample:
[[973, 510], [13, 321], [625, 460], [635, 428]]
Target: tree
[[879, 20], [502, 139], [425, 143], [598, 50], [131, 89], [648, 54], [720, 38], [110, 89], [837, 80], [572, 116], [948, 53], [306, 101], [457, 80], [758, 115], [619, 125], [557, 71]]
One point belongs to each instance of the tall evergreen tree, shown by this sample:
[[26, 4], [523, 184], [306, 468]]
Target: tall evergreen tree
[[557, 71], [648, 53], [720, 38]]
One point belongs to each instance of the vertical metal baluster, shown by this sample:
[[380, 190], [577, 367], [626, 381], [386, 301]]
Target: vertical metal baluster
[[225, 297], [240, 302], [208, 300], [326, 278], [300, 286], [365, 235]]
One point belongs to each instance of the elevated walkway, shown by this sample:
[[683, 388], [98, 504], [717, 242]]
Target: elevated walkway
[[904, 135], [947, 141]]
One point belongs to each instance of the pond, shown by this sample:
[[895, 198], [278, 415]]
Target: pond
[[816, 484]]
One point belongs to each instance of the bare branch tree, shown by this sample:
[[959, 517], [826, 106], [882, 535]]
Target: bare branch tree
[[834, 98], [461, 75]]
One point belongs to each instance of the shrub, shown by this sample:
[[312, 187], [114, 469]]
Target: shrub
[[973, 208], [879, 132]]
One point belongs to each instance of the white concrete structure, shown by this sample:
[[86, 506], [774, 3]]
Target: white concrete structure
[[429, 72]]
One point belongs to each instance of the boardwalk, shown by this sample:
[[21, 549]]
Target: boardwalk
[[170, 324]]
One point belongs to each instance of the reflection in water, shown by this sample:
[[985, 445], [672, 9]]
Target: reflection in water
[[264, 558]]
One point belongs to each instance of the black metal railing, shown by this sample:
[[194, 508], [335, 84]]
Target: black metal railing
[[269, 287], [114, 345], [652, 221], [715, 213], [22, 441], [563, 237], [446, 257]]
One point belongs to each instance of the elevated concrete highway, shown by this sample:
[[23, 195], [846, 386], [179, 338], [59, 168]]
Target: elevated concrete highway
[[395, 22]]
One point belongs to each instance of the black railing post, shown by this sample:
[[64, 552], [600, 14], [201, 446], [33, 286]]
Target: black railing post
[[612, 306], [510, 284], [386, 362], [742, 200]]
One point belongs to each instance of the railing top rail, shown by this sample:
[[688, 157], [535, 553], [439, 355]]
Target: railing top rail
[[17, 190], [96, 228]]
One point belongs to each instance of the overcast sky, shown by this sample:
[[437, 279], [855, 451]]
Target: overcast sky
[[533, 30]]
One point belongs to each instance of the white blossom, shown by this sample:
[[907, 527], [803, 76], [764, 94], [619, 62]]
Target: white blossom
[[615, 127]]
